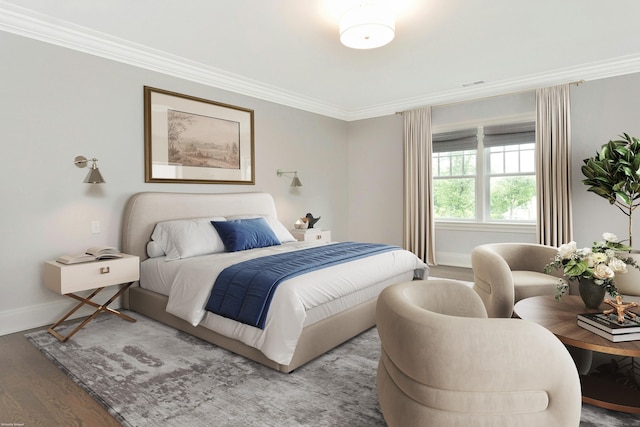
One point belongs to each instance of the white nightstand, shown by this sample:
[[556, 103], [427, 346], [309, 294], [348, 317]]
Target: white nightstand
[[68, 278], [312, 235]]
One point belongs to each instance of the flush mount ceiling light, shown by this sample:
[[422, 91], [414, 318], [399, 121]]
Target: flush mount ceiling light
[[367, 25]]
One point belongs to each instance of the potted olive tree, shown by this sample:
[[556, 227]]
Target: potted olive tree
[[614, 174]]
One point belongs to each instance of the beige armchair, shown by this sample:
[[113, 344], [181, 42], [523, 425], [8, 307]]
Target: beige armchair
[[443, 363], [505, 273]]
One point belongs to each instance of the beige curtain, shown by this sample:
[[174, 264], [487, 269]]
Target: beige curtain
[[553, 165], [418, 201]]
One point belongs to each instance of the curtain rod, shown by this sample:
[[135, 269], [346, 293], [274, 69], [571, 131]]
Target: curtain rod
[[577, 83]]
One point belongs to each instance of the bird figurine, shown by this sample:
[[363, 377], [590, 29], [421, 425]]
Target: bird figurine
[[311, 220]]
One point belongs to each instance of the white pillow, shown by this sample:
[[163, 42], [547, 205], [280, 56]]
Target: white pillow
[[154, 250], [184, 238], [279, 230]]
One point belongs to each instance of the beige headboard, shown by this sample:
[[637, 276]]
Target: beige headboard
[[144, 210]]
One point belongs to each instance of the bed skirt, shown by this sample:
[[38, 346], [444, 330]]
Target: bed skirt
[[316, 339]]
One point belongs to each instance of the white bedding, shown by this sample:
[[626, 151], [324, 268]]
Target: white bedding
[[298, 302]]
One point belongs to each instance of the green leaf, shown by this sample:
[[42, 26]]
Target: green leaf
[[624, 196], [603, 193], [598, 169], [575, 268]]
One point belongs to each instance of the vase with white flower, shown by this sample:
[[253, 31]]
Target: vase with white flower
[[594, 267]]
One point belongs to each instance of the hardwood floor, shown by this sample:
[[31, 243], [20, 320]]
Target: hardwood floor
[[34, 392], [447, 272]]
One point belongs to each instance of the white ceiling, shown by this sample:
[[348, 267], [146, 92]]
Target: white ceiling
[[287, 51]]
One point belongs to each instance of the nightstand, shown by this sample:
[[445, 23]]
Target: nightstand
[[68, 278], [312, 235]]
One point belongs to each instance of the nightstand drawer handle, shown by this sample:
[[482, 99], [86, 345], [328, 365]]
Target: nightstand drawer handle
[[104, 270]]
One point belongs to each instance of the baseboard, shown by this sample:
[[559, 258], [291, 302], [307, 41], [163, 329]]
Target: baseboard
[[453, 259], [46, 314]]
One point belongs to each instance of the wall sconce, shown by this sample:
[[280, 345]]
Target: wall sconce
[[295, 182], [94, 176]]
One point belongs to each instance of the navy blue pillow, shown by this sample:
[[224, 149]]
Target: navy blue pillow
[[243, 234]]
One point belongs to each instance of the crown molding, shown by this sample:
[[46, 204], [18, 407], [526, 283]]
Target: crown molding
[[583, 73], [34, 25]]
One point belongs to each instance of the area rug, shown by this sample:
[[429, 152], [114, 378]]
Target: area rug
[[148, 374]]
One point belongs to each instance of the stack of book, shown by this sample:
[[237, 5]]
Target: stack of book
[[607, 326]]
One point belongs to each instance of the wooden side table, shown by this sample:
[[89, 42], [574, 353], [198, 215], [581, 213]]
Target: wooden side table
[[561, 319], [66, 279], [311, 235]]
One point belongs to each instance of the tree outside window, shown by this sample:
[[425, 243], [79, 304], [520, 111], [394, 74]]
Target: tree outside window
[[485, 174]]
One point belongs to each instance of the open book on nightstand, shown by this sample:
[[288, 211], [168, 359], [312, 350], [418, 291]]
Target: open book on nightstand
[[92, 254]]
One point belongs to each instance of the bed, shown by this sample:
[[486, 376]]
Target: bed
[[171, 286]]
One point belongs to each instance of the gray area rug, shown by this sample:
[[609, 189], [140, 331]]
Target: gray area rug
[[148, 374]]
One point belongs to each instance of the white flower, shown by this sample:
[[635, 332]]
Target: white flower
[[617, 265], [567, 250], [584, 252], [602, 271], [599, 258], [609, 237]]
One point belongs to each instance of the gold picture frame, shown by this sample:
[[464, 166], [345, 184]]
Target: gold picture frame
[[194, 140]]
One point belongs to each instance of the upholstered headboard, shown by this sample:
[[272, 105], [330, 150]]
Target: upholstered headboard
[[144, 210]]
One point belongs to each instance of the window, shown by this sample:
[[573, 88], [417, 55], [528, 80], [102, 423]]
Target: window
[[485, 174], [454, 164]]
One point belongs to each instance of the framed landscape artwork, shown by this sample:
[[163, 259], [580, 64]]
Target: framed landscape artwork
[[194, 140]]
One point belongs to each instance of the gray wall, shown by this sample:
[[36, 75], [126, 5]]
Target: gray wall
[[375, 180], [601, 111], [58, 103]]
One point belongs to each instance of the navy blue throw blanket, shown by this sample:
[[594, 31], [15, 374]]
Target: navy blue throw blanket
[[243, 291]]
